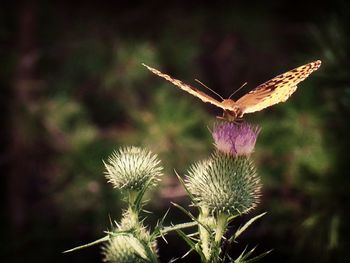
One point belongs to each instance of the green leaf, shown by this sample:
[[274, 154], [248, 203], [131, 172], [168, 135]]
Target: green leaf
[[254, 259], [157, 232], [186, 238], [192, 245], [138, 247], [191, 216], [186, 254], [245, 226], [232, 217], [177, 227], [138, 200], [243, 257], [184, 186], [101, 240]]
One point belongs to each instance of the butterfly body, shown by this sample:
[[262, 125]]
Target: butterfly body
[[274, 91], [229, 104], [232, 110]]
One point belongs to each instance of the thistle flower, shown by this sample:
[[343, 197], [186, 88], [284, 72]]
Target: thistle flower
[[235, 139], [131, 168], [224, 184]]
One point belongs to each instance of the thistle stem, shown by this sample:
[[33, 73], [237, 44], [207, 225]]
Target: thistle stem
[[204, 234], [221, 224], [152, 255], [132, 197]]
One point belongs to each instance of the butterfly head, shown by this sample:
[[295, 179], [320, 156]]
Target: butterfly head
[[232, 111]]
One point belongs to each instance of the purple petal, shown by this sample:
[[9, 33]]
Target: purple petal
[[235, 139]]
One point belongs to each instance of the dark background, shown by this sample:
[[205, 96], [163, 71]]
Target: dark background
[[73, 90]]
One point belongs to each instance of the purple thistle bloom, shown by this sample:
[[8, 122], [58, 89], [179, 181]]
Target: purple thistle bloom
[[235, 139]]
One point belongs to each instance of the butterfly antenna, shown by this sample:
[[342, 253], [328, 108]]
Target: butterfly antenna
[[238, 89], [217, 94]]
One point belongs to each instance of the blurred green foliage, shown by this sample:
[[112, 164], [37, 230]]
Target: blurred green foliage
[[89, 94]]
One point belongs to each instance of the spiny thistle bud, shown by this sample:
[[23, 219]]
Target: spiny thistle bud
[[131, 223], [128, 242], [124, 249], [224, 184], [131, 168], [235, 139]]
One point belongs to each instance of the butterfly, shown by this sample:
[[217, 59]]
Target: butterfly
[[273, 91]]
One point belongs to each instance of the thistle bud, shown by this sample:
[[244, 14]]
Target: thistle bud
[[124, 249], [129, 241], [224, 184], [131, 168]]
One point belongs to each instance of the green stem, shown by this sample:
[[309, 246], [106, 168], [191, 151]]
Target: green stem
[[151, 254], [204, 234], [132, 197], [221, 224]]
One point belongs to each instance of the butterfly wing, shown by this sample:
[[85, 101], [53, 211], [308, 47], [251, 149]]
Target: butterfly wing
[[276, 90], [195, 92]]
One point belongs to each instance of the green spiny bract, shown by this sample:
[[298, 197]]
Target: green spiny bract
[[224, 184], [124, 249], [129, 241], [131, 223], [131, 168]]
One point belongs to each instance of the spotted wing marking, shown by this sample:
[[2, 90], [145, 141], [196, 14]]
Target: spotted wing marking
[[276, 90]]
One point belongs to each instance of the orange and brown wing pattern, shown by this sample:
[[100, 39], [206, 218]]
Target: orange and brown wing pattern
[[276, 90], [195, 92]]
